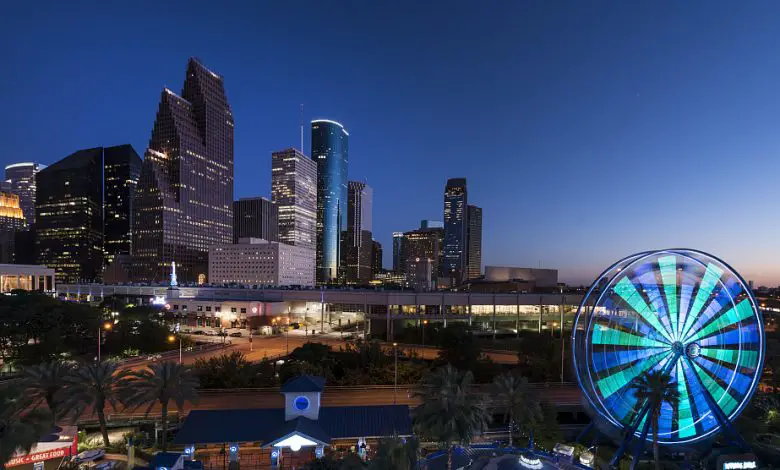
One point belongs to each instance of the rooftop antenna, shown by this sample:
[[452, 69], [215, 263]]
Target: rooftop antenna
[[302, 128]]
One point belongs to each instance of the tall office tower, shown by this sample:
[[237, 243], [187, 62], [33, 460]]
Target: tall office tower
[[330, 149], [423, 244], [455, 230], [399, 253], [358, 245], [184, 200], [474, 243], [20, 180], [255, 217], [431, 224], [69, 217], [121, 168], [11, 221], [294, 191], [376, 257]]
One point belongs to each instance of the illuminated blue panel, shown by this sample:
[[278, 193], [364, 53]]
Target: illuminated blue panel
[[610, 359], [648, 281], [686, 291], [740, 381]]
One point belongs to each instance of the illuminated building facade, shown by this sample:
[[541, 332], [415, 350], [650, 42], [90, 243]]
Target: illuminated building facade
[[376, 257], [253, 261], [294, 191], [330, 150], [121, 168], [20, 180], [184, 199], [358, 244], [11, 221], [399, 252], [455, 230], [69, 216], [423, 244], [474, 243], [255, 217]]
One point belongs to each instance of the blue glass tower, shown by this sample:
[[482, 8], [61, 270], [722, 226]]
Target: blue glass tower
[[455, 230], [330, 149]]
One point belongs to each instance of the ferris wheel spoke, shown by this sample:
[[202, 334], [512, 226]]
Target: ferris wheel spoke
[[722, 398], [620, 379], [609, 360], [627, 291], [736, 380], [748, 359], [603, 334], [732, 316], [657, 305], [686, 427], [668, 265], [708, 283]]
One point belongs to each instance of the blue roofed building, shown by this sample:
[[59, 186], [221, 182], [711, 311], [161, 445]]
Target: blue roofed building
[[297, 433]]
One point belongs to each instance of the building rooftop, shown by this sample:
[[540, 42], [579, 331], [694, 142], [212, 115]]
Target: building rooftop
[[303, 384]]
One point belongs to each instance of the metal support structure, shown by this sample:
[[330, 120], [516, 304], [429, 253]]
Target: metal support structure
[[640, 444], [540, 314], [517, 321], [494, 317]]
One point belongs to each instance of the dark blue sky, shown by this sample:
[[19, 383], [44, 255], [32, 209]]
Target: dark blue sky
[[587, 130]]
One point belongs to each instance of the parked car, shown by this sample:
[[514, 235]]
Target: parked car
[[211, 333], [235, 334]]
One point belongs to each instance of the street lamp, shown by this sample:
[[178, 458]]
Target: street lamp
[[425, 322], [105, 326], [171, 339], [395, 374]]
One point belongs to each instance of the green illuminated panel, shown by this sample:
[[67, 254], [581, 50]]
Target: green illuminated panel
[[668, 266], [746, 359], [721, 397], [612, 383], [626, 290], [606, 335], [729, 317], [685, 424], [710, 280]]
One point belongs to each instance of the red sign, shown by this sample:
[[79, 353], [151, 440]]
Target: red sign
[[39, 456]]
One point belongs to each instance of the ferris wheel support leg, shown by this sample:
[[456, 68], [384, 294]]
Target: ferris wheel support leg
[[585, 431], [640, 444], [629, 435]]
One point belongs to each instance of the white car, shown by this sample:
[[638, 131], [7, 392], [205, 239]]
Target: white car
[[89, 456]]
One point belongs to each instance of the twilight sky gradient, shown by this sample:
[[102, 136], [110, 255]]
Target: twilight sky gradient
[[587, 130]]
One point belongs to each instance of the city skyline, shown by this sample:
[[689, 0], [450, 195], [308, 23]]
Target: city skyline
[[571, 194]]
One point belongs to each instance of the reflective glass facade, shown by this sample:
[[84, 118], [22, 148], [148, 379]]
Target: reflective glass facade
[[20, 180], [455, 230], [294, 191], [255, 217], [330, 150], [184, 198], [358, 246], [121, 168]]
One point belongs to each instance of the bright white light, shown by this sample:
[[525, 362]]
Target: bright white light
[[530, 461], [295, 442]]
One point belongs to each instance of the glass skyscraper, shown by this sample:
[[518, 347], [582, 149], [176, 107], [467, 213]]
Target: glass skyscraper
[[455, 230], [330, 149], [358, 246], [474, 216], [20, 180], [294, 191], [184, 200]]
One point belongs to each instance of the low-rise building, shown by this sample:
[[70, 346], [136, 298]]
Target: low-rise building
[[255, 261], [26, 277]]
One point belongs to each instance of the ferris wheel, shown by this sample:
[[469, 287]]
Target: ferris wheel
[[679, 311]]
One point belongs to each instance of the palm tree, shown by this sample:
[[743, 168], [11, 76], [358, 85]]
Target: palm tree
[[655, 388], [160, 383], [448, 413], [93, 384], [511, 389], [19, 430], [43, 381]]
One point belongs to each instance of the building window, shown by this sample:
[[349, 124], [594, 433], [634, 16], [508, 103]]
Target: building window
[[232, 309], [208, 308], [175, 306], [217, 309], [200, 308], [243, 310]]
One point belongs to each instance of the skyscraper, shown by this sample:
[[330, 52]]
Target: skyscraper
[[121, 168], [376, 257], [431, 224], [69, 217], [11, 221], [184, 201], [455, 230], [20, 180], [358, 245], [330, 149], [423, 244], [255, 217], [294, 191], [399, 253], [474, 235]]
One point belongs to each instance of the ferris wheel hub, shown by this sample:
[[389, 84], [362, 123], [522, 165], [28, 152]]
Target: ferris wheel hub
[[693, 350], [678, 348]]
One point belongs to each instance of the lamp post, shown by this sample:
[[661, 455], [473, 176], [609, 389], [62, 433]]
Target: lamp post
[[425, 322], [171, 339], [105, 326], [395, 374]]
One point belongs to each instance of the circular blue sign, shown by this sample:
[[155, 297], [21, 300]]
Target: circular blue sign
[[301, 403]]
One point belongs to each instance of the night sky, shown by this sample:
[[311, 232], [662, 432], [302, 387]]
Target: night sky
[[587, 130]]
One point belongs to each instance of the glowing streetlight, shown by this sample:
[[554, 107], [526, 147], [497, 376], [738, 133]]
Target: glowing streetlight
[[395, 374], [105, 326], [171, 339]]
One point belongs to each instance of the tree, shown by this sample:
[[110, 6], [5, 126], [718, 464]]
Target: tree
[[654, 388], [457, 346], [20, 430], [43, 381], [160, 383], [511, 389], [449, 413], [92, 385], [396, 454], [234, 371]]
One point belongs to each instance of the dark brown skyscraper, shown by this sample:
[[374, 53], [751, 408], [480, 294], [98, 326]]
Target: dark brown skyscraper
[[184, 200], [121, 167], [255, 217], [474, 243]]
